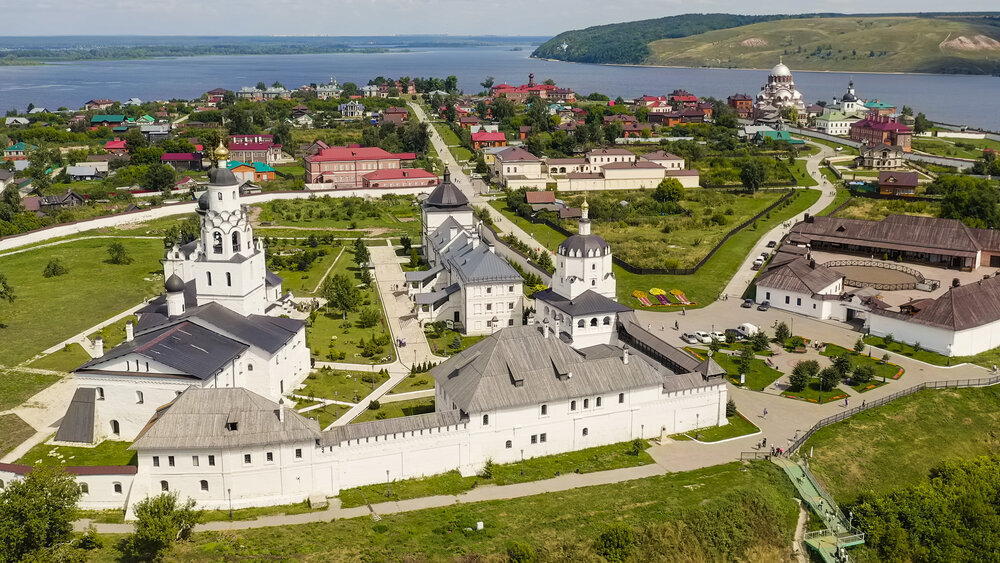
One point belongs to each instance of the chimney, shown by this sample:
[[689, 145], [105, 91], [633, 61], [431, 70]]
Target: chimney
[[545, 328], [129, 332], [98, 346], [557, 328], [625, 355], [281, 410]]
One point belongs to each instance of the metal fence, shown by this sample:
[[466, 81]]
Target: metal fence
[[876, 264], [947, 384]]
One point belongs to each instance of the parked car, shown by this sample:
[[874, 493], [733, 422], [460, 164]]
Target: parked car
[[764, 306], [703, 337], [757, 265], [747, 303], [690, 338], [772, 243], [718, 335], [765, 255]]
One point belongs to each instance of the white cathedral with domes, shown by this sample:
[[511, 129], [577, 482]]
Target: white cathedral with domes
[[216, 326], [777, 94]]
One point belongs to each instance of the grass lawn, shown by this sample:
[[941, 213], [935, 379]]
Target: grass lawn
[[560, 526], [705, 286], [447, 134], [303, 283], [297, 171], [812, 393], [442, 345], [327, 383], [17, 387], [414, 382], [541, 232], [118, 516], [958, 148], [878, 209], [384, 215], [759, 378], [883, 372], [69, 358], [601, 458], [845, 150], [910, 352], [895, 445], [114, 334], [329, 333], [843, 194], [325, 415], [398, 409], [13, 431], [738, 426], [105, 453], [802, 176], [49, 310]]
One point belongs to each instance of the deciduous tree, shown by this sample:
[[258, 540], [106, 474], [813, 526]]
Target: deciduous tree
[[37, 512], [161, 520]]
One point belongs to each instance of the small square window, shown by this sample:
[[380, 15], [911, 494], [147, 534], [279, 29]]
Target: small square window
[[542, 437], [534, 438], [489, 290], [211, 460], [510, 322], [298, 453], [170, 460], [156, 461], [510, 288], [194, 461], [246, 458], [270, 457], [510, 305]]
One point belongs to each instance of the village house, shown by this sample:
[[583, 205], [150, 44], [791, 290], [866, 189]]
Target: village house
[[251, 171], [329, 90], [18, 151], [78, 173], [352, 108], [50, 204], [520, 94], [180, 161], [16, 122], [879, 157], [394, 115], [898, 183], [116, 147], [599, 169], [98, 104], [345, 167], [108, 120], [486, 139], [254, 148]]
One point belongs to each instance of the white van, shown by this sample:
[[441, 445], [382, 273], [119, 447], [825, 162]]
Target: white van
[[746, 330]]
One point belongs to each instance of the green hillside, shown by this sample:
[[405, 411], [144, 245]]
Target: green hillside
[[938, 43]]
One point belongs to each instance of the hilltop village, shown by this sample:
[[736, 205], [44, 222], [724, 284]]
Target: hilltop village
[[274, 298]]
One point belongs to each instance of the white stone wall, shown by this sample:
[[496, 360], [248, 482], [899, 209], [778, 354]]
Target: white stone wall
[[483, 301], [121, 401], [938, 339]]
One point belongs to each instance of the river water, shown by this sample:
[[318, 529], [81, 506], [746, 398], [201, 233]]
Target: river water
[[957, 99]]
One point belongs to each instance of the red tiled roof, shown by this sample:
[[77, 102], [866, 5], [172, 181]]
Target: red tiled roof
[[487, 136], [116, 144], [540, 197], [342, 154], [399, 174]]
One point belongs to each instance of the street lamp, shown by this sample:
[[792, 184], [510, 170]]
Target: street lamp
[[387, 489], [522, 461], [230, 493]]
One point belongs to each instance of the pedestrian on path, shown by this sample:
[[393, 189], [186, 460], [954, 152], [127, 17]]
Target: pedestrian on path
[[765, 416], [764, 442], [862, 403], [845, 402]]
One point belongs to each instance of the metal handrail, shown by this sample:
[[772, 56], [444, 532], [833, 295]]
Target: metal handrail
[[876, 264]]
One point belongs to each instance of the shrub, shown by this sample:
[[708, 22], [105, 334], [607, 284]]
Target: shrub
[[842, 364], [380, 415], [90, 539], [829, 378], [862, 374], [782, 333], [487, 471], [456, 343], [55, 267], [369, 317], [636, 447], [518, 552], [617, 543], [374, 405]]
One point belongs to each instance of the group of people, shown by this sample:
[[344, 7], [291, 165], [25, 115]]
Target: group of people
[[401, 342]]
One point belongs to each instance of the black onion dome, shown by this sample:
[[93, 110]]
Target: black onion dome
[[174, 284], [222, 177]]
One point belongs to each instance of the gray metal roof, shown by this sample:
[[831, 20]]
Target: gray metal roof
[[174, 284], [518, 366], [436, 296], [264, 332], [81, 170], [272, 279], [420, 275], [587, 303], [446, 194], [192, 350], [222, 177], [198, 418], [391, 426], [442, 234], [77, 425], [799, 275], [478, 264], [683, 362], [584, 245]]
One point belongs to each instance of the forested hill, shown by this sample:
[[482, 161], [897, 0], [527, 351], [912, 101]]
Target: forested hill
[[628, 43], [942, 43]]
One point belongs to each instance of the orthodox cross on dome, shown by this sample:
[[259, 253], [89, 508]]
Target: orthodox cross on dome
[[221, 153]]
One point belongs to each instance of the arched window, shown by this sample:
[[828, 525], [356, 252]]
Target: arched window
[[115, 428], [582, 323], [585, 431], [138, 397], [204, 485], [118, 488], [598, 401], [486, 420], [164, 486], [84, 488], [572, 405], [236, 242], [621, 398], [249, 367], [217, 240], [607, 321], [593, 266], [545, 410], [209, 274], [586, 403], [593, 322], [220, 196], [509, 445], [229, 279]]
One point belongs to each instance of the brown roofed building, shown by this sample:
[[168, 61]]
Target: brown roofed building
[[898, 183]]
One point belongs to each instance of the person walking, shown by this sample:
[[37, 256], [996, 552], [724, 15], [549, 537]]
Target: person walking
[[845, 402], [765, 413]]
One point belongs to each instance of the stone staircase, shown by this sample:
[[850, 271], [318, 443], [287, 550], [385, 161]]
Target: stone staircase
[[830, 543]]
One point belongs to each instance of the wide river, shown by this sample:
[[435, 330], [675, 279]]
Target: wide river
[[958, 99]]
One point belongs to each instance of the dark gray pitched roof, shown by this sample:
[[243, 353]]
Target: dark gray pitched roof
[[77, 424], [436, 296], [264, 332], [390, 426], [446, 195], [799, 275], [192, 350], [272, 279], [897, 232], [587, 303], [584, 245], [420, 275], [198, 419], [518, 366], [960, 308], [680, 362]]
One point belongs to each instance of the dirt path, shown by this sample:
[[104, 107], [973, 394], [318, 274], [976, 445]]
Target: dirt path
[[327, 272]]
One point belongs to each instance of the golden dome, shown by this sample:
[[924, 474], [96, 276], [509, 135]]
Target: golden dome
[[221, 152], [585, 204]]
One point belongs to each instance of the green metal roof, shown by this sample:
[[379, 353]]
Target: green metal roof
[[22, 146], [875, 104], [110, 118], [257, 166]]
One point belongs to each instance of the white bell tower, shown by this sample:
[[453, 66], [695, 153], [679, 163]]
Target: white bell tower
[[583, 263]]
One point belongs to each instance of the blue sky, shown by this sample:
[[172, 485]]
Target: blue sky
[[382, 17]]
